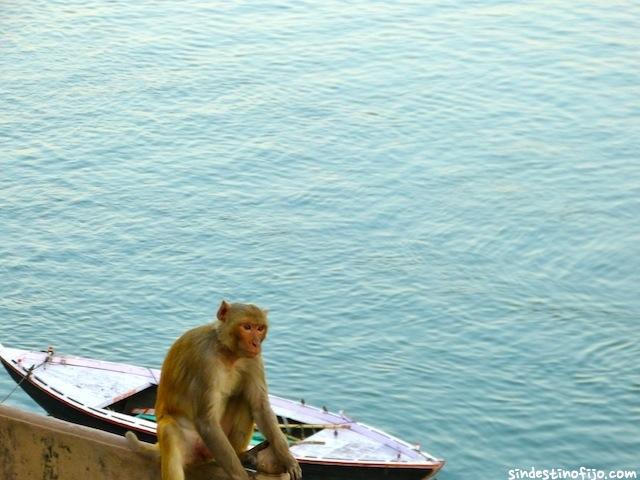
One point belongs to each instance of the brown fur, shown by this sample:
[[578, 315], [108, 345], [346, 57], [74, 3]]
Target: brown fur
[[211, 391]]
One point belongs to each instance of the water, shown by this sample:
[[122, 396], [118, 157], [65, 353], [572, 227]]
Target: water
[[439, 202]]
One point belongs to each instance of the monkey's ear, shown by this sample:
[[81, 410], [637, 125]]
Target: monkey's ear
[[222, 311]]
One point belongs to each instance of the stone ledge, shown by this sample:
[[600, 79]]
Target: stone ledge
[[34, 446]]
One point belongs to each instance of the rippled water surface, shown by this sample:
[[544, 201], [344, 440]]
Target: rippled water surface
[[439, 202]]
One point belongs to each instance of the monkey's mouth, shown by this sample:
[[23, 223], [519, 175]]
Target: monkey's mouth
[[255, 347], [253, 352]]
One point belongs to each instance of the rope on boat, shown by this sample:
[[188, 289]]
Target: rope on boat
[[29, 372]]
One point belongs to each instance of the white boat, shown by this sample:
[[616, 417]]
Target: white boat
[[117, 397]]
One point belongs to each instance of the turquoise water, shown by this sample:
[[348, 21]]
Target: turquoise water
[[439, 202]]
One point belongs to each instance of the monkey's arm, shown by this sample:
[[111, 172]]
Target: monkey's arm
[[218, 444], [268, 424]]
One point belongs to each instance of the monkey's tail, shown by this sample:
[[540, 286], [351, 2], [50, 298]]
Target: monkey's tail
[[148, 449]]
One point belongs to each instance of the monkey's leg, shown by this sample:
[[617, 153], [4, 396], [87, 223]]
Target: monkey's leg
[[171, 442]]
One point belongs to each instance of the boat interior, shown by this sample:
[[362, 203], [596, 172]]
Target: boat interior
[[141, 405], [137, 404]]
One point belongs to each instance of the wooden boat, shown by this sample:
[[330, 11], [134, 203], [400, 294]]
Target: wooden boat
[[117, 397]]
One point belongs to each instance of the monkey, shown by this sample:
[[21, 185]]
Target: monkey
[[212, 390]]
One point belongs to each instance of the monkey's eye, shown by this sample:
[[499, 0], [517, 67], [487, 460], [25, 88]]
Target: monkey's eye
[[246, 326], [261, 328]]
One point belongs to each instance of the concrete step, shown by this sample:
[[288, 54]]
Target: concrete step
[[34, 446]]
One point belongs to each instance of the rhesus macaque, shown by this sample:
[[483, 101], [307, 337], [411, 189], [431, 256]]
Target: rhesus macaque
[[211, 391]]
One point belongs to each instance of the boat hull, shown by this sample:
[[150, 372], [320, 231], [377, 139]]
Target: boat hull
[[67, 411], [343, 472]]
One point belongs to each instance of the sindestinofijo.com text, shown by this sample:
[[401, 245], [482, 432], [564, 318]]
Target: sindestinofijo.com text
[[582, 473]]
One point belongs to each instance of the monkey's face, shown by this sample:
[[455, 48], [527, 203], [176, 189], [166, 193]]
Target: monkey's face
[[250, 337]]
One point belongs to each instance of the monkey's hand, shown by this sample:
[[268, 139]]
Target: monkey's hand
[[292, 467]]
